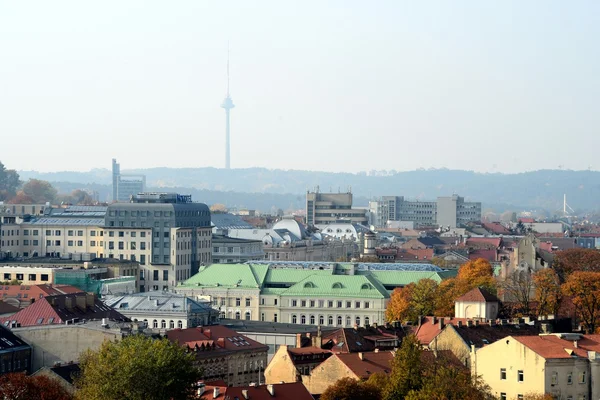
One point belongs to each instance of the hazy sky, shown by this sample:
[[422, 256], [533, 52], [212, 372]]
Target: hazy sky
[[325, 85]]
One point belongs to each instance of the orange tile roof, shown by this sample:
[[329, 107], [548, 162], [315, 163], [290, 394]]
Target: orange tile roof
[[282, 391], [551, 346], [225, 339]]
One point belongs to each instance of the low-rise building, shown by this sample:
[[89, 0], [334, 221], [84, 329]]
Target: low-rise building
[[15, 354], [164, 310], [23, 295], [566, 366], [223, 353], [62, 309]]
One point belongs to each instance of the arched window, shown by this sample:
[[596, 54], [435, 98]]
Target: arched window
[[146, 322], [312, 319], [163, 324], [180, 324], [294, 319], [330, 320], [348, 320], [303, 319], [247, 315], [237, 315], [358, 321], [365, 286], [171, 324], [339, 320], [366, 321], [155, 324], [321, 320], [336, 285], [309, 285]]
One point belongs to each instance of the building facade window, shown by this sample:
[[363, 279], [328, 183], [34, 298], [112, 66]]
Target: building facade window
[[520, 376], [503, 374]]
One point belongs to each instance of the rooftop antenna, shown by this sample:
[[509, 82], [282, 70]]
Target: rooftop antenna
[[227, 105]]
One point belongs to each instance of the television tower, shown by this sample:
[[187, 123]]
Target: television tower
[[227, 105]]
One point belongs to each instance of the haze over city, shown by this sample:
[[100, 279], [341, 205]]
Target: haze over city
[[334, 86]]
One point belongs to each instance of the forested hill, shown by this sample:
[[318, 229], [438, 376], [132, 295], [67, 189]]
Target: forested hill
[[537, 190]]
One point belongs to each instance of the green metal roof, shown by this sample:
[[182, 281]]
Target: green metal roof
[[337, 286], [308, 282], [229, 275], [291, 275]]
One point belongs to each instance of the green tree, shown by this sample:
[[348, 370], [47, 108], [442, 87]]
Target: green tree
[[350, 389], [9, 182], [424, 297], [39, 191], [407, 370], [137, 368]]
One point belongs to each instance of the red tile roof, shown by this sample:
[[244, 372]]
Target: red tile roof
[[478, 295], [59, 309], [223, 338], [484, 242], [370, 363], [366, 364], [552, 346], [281, 391], [25, 293], [486, 254], [496, 227], [527, 220]]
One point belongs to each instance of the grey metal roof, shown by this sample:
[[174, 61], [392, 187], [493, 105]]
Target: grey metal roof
[[157, 302], [360, 266], [229, 221], [67, 221]]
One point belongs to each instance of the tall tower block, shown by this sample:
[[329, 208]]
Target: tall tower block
[[227, 105]]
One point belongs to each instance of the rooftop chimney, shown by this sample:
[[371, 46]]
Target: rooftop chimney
[[89, 299], [215, 393], [469, 323], [361, 355], [245, 394], [476, 322], [441, 323], [459, 324], [317, 340], [298, 340], [271, 390], [81, 301], [575, 343]]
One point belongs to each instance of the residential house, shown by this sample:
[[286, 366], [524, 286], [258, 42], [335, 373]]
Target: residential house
[[223, 353], [24, 295], [62, 309], [567, 366], [477, 303]]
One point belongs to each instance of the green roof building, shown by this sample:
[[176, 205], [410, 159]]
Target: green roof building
[[315, 293]]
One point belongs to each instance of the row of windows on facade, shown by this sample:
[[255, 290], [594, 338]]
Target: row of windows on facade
[[143, 224], [181, 275], [330, 304], [166, 214], [234, 249], [238, 301], [12, 366], [521, 376], [520, 397], [31, 277], [49, 232], [163, 323], [311, 320]]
